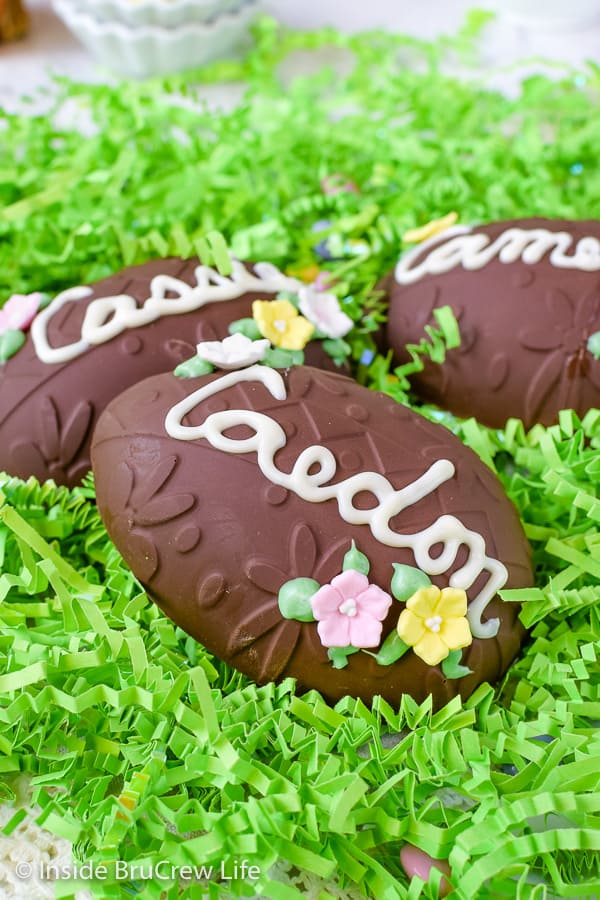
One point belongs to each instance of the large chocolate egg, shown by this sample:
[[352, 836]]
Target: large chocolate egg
[[236, 498], [527, 297], [85, 348]]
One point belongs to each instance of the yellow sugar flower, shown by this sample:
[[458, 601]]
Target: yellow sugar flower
[[280, 322], [436, 226], [434, 623]]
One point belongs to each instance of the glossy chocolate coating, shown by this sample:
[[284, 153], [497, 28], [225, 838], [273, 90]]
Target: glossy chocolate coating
[[524, 330], [213, 540], [48, 411]]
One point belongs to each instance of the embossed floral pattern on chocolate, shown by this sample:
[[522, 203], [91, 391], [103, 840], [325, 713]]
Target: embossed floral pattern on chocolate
[[260, 535], [564, 343], [526, 294], [54, 445], [99, 372], [146, 503], [303, 556]]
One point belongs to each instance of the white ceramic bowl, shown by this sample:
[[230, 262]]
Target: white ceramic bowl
[[154, 50], [164, 13], [551, 15]]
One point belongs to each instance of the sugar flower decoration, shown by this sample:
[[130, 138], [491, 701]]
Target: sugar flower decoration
[[434, 623], [350, 611], [19, 312], [436, 226], [280, 323], [235, 352], [324, 311]]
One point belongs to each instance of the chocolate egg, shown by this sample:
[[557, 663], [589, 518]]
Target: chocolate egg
[[526, 294], [93, 342], [300, 525]]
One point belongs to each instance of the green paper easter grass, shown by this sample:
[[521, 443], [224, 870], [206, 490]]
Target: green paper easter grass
[[140, 746]]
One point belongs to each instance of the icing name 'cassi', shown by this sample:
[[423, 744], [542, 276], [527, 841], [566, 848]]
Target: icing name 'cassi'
[[269, 437], [107, 317], [457, 246]]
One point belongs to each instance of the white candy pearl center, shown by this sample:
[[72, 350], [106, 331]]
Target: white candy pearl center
[[280, 325], [348, 607], [434, 623]]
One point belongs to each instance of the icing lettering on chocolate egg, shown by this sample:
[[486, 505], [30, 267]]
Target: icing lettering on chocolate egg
[[345, 541], [92, 342], [107, 317], [527, 297]]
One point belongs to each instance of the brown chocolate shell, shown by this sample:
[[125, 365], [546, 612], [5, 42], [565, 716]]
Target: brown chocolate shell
[[525, 328], [48, 411], [213, 539]]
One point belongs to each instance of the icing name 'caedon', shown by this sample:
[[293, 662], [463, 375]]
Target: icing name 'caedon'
[[107, 317], [457, 246], [269, 437]]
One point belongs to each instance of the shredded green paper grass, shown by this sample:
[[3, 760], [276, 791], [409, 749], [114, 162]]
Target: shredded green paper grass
[[141, 747]]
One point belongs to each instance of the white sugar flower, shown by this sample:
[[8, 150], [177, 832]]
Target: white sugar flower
[[324, 311], [235, 352]]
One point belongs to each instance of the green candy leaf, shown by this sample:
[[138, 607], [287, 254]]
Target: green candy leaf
[[10, 343], [294, 599], [339, 655], [452, 668], [338, 349], [391, 650], [356, 560], [194, 367], [247, 327], [593, 344], [45, 300], [283, 359], [407, 580]]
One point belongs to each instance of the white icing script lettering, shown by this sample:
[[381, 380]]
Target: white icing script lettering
[[457, 246], [269, 437], [107, 317]]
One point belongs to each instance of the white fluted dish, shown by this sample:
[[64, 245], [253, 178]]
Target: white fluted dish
[[551, 15], [153, 50], [164, 13]]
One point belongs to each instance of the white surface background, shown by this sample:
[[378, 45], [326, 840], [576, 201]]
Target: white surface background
[[51, 47]]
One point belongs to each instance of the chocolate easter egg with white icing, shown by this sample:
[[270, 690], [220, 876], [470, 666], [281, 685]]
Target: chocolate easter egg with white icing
[[526, 294], [93, 342], [300, 525]]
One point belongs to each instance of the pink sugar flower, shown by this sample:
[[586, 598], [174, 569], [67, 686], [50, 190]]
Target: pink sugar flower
[[19, 311], [350, 611]]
